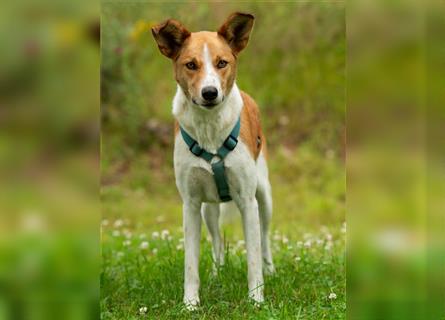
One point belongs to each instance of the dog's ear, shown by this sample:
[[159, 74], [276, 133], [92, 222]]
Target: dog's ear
[[236, 30], [170, 36]]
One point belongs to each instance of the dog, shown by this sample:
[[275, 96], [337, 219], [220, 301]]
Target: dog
[[220, 149]]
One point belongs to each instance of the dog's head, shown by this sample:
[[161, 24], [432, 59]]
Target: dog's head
[[205, 62]]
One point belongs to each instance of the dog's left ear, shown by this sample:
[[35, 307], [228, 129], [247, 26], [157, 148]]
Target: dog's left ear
[[236, 30]]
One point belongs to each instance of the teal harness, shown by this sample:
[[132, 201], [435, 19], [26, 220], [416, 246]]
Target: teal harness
[[219, 172]]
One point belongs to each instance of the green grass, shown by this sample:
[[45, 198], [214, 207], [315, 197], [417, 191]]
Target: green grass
[[309, 268]]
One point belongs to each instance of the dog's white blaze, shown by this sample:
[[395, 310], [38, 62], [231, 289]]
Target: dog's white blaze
[[211, 78]]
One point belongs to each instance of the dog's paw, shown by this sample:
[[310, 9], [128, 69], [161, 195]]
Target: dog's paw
[[191, 304], [269, 269]]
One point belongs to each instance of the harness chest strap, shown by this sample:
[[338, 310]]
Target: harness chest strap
[[219, 172]]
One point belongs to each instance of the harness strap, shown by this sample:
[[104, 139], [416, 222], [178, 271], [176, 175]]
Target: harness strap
[[219, 172]]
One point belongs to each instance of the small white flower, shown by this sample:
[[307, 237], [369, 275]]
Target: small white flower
[[332, 296], [329, 237], [143, 310], [308, 244], [116, 233], [155, 235], [297, 259], [240, 243], [328, 246], [144, 245], [179, 247], [105, 222], [154, 251], [285, 240], [126, 243], [118, 223], [164, 234], [127, 234]]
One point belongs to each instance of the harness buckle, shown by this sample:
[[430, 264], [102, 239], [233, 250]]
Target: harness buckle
[[230, 143], [196, 149]]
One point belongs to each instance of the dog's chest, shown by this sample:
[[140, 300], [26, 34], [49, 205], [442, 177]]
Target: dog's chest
[[194, 176]]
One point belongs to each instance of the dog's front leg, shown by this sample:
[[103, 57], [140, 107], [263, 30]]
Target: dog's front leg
[[251, 226], [192, 237]]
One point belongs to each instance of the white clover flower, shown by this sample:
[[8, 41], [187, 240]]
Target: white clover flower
[[154, 251], [155, 235], [144, 245], [297, 259], [285, 240], [276, 237], [179, 247], [126, 243], [143, 310], [240, 243], [118, 223], [329, 237], [105, 222], [128, 234], [332, 296], [164, 234], [308, 244], [116, 233]]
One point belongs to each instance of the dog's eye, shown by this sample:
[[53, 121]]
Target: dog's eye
[[191, 65], [221, 64]]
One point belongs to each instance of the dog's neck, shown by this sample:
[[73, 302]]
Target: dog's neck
[[209, 127]]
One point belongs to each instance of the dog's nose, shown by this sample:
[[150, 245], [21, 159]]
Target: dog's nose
[[209, 93]]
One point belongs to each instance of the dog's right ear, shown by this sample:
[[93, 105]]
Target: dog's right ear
[[170, 36]]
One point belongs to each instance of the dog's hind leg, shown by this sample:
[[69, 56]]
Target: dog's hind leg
[[264, 198], [210, 214]]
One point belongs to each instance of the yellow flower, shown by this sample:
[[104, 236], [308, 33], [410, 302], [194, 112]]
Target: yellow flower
[[139, 28]]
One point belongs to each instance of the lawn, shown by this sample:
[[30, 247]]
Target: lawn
[[142, 277]]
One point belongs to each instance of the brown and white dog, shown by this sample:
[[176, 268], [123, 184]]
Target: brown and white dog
[[207, 105]]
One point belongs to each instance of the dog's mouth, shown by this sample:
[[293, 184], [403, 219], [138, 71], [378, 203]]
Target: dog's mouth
[[208, 105]]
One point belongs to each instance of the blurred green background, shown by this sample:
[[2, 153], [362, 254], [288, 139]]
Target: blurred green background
[[294, 67]]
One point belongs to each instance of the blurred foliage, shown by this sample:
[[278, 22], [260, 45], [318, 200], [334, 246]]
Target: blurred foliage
[[49, 211]]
